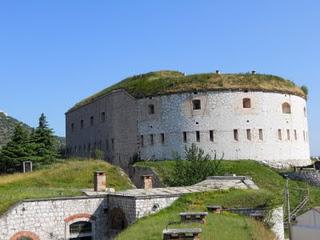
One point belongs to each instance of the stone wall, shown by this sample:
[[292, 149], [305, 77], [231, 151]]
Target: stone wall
[[222, 112], [50, 219], [115, 133], [276, 222], [136, 173], [311, 176]]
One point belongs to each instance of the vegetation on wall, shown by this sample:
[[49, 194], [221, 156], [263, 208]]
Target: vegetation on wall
[[166, 82]]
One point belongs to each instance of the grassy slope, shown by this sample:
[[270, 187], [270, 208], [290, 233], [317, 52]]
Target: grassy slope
[[225, 226], [62, 179], [165, 82]]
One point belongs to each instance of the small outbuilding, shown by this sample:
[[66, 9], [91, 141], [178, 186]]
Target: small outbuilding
[[307, 225]]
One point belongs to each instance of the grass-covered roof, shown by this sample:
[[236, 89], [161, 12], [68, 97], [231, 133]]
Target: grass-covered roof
[[168, 82]]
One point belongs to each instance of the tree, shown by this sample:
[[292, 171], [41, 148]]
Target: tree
[[16, 151], [43, 142], [196, 167]]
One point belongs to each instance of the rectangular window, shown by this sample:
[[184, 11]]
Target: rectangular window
[[211, 136], [72, 127], [91, 121], [260, 134], [279, 134], [295, 135], [249, 134], [185, 137], [196, 104], [141, 141], [151, 139], [81, 124], [162, 138], [151, 109], [198, 136], [103, 117], [107, 145], [112, 144], [288, 134], [235, 134]]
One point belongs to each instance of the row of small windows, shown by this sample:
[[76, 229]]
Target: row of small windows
[[90, 148], [102, 120], [196, 105], [248, 134]]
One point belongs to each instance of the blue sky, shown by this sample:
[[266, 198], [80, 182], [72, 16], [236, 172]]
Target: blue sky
[[54, 53]]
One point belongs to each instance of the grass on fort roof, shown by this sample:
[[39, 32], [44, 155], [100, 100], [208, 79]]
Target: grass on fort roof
[[218, 226], [265, 177], [58, 180], [225, 226], [166, 82]]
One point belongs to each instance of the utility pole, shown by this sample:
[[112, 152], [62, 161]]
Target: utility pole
[[288, 206]]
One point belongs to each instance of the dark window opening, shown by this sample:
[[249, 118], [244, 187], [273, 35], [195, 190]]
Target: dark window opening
[[162, 138], [286, 108], [80, 227], [249, 137], [211, 135], [151, 109], [72, 127], [81, 124], [260, 134], [196, 104], [288, 134], [295, 135], [103, 117], [235, 134], [112, 144], [151, 139], [198, 136], [91, 120], [185, 137], [141, 141], [246, 102], [279, 134]]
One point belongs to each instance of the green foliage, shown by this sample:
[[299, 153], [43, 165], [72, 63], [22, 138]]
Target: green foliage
[[98, 154], [57, 180], [196, 167], [166, 82], [305, 89], [16, 151], [39, 147]]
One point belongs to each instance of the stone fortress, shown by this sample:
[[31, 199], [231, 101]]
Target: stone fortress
[[234, 116]]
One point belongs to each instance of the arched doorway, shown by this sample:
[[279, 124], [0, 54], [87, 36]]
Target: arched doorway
[[25, 235], [118, 220]]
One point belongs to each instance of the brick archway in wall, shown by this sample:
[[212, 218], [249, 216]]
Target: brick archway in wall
[[26, 234], [78, 216]]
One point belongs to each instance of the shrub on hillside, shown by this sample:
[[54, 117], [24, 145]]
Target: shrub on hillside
[[196, 167]]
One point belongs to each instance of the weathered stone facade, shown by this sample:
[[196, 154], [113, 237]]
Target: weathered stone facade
[[107, 213], [51, 219], [271, 128]]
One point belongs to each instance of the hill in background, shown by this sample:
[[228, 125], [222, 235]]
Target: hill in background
[[7, 125]]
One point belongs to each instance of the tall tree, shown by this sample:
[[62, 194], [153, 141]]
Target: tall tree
[[44, 141], [17, 150]]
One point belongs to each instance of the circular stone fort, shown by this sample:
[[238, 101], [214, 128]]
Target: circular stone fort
[[230, 116]]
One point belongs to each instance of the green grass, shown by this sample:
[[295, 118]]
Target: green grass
[[166, 82], [225, 226], [266, 178], [58, 180]]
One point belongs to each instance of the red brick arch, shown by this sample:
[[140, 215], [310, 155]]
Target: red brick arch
[[28, 234], [80, 215]]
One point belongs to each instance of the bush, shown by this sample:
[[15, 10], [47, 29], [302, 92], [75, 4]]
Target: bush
[[305, 89], [195, 168]]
